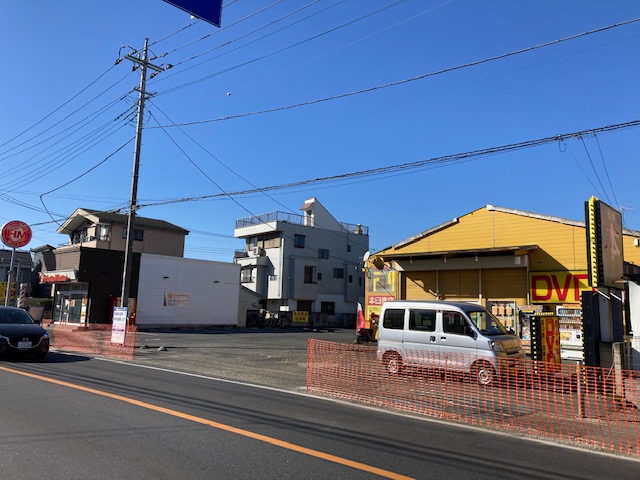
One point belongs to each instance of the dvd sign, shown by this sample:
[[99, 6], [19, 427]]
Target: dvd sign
[[16, 234]]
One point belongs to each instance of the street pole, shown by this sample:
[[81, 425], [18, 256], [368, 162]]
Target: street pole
[[8, 294], [144, 64]]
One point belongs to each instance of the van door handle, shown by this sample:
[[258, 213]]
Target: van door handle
[[433, 338], [443, 338]]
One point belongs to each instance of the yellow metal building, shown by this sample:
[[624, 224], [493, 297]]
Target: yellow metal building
[[507, 260]]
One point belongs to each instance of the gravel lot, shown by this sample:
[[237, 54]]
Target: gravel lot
[[270, 357]]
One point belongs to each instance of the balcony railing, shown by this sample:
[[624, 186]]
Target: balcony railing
[[80, 241]]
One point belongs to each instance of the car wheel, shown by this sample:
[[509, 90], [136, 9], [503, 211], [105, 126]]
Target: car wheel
[[393, 363], [484, 373]]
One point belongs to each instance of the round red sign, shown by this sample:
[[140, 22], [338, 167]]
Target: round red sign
[[16, 234]]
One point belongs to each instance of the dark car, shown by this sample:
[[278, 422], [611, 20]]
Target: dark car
[[20, 334]]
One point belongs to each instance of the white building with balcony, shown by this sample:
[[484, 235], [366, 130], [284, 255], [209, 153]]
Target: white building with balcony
[[307, 262]]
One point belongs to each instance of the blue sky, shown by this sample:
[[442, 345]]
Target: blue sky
[[68, 111]]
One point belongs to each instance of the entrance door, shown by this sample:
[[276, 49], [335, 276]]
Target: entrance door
[[67, 305]]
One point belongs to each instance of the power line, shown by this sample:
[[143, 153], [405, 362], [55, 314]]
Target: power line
[[82, 175], [79, 150], [595, 170], [83, 122], [58, 108], [236, 174], [65, 118], [262, 27], [69, 148], [219, 30], [391, 84], [282, 49], [404, 167], [606, 171]]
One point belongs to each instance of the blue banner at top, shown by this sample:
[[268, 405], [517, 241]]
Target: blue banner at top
[[207, 10]]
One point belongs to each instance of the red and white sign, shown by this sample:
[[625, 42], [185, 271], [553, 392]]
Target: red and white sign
[[16, 234]]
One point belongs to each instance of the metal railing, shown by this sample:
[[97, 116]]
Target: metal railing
[[295, 219]]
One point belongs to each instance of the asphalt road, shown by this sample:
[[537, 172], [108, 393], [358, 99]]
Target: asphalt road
[[76, 417], [270, 357]]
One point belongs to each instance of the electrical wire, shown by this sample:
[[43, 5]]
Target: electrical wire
[[567, 148], [86, 148], [314, 37], [595, 170], [391, 84], [84, 121], [172, 34], [606, 171], [176, 64], [219, 30], [237, 175], [65, 118], [58, 108], [70, 146], [224, 193], [81, 175], [404, 167]]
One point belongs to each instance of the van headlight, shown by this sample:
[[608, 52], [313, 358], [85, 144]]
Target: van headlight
[[497, 346]]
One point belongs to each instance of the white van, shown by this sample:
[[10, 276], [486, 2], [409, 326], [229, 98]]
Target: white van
[[449, 335]]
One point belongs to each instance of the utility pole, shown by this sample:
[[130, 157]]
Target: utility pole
[[143, 63]]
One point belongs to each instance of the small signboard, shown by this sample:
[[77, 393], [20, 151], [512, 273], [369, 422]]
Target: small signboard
[[119, 325], [176, 299], [207, 10], [16, 234], [300, 316]]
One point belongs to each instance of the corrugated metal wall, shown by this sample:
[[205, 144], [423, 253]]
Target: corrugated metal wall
[[467, 285]]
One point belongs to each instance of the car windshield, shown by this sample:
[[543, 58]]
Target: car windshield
[[15, 316], [487, 323]]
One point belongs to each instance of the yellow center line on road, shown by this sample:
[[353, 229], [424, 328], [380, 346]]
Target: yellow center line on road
[[221, 426]]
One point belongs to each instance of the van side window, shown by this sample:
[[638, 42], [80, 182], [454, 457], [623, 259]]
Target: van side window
[[393, 318], [422, 320], [453, 322]]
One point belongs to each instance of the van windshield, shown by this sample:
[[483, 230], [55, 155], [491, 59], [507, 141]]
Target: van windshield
[[486, 323]]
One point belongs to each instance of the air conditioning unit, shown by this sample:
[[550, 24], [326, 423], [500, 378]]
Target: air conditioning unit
[[257, 251]]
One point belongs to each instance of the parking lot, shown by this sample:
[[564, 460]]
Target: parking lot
[[270, 357]]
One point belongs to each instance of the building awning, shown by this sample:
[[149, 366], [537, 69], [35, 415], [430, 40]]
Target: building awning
[[58, 276], [481, 252]]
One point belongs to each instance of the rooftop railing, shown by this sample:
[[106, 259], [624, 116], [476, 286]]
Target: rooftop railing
[[295, 219]]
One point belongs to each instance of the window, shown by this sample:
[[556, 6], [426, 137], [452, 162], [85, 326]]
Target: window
[[319, 276], [323, 253], [350, 278], [348, 248], [298, 241], [309, 274], [246, 275], [394, 318], [138, 233], [338, 273], [304, 305], [328, 307], [79, 236], [422, 320], [103, 232], [268, 240], [453, 322]]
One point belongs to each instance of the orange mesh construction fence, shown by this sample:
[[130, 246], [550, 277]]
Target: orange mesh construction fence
[[93, 339], [585, 406]]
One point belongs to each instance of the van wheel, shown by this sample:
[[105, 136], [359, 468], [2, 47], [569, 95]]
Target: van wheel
[[392, 363], [484, 373]]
